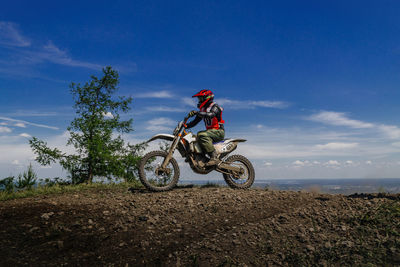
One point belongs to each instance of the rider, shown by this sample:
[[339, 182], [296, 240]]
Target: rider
[[211, 113]]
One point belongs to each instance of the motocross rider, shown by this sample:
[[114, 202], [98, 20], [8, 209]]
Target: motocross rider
[[211, 113]]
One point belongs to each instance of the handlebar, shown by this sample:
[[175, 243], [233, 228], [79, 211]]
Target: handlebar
[[185, 120]]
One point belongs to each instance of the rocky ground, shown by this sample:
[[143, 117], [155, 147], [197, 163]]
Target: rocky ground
[[200, 227]]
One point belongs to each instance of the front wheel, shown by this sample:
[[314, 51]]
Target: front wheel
[[245, 178], [153, 176]]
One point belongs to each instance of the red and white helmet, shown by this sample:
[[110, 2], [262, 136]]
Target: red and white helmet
[[204, 97]]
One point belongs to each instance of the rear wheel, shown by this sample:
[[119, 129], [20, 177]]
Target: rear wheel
[[245, 178], [153, 176]]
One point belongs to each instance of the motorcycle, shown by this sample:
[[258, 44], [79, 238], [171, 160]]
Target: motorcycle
[[159, 171]]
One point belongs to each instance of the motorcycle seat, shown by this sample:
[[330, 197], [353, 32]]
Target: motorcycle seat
[[226, 139]]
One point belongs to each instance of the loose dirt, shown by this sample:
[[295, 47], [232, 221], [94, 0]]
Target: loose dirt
[[200, 227]]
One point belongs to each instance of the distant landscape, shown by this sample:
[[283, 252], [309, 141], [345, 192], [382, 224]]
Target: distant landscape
[[331, 186]]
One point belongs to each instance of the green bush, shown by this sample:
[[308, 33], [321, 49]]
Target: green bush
[[27, 179], [7, 184], [53, 182]]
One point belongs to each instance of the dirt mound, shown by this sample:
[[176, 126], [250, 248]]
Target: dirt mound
[[200, 227]]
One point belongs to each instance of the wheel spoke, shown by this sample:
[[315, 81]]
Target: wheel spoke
[[245, 177], [153, 176]]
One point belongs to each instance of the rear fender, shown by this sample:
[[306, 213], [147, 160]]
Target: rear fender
[[168, 137], [238, 140], [226, 147]]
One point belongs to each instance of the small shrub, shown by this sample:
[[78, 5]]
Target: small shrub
[[7, 184], [53, 181], [27, 179]]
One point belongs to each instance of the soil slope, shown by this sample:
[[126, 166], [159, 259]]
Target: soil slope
[[200, 227]]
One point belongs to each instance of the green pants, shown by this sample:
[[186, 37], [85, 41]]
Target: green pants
[[206, 139]]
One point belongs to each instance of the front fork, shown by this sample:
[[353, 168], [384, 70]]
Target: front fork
[[170, 153]]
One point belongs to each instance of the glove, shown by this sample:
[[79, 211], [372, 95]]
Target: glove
[[192, 113]]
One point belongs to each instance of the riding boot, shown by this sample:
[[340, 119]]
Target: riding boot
[[214, 160]]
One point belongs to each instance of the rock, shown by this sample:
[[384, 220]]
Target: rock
[[60, 244], [310, 248], [283, 218], [47, 216], [348, 244], [90, 221], [236, 242], [143, 218], [106, 212], [301, 237], [34, 229], [328, 245]]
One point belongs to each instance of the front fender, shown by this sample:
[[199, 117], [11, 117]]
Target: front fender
[[168, 137]]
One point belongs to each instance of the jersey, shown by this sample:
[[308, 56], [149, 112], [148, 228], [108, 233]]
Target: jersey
[[212, 116]]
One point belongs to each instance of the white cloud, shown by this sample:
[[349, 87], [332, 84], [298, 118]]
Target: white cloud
[[268, 164], [393, 132], [3, 123], [108, 115], [339, 119], [155, 94], [46, 167], [396, 144], [267, 104], [238, 104], [29, 123], [332, 163], [188, 101], [337, 146], [250, 104], [32, 113], [368, 162], [164, 109], [10, 36], [15, 162], [4, 129], [23, 54], [298, 163], [301, 163], [25, 135], [20, 124], [160, 124], [52, 53]]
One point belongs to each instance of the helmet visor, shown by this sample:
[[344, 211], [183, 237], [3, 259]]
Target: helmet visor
[[201, 99]]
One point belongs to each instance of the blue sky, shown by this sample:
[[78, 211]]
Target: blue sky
[[312, 85]]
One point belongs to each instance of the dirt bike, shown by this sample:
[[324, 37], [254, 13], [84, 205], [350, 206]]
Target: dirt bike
[[159, 171]]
